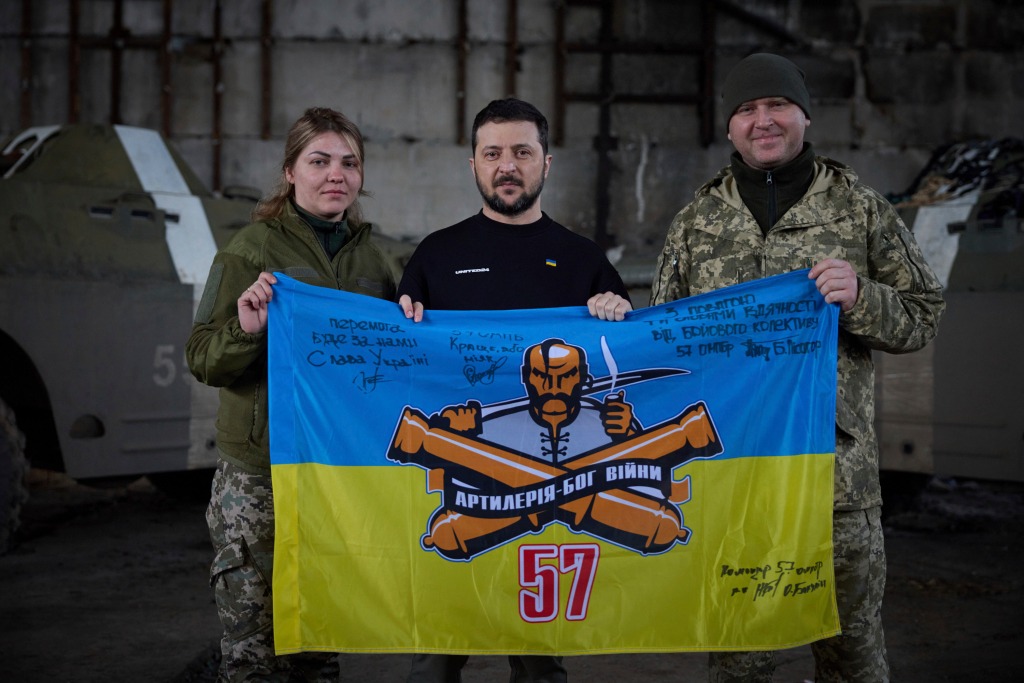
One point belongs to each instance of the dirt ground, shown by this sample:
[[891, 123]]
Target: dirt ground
[[111, 585]]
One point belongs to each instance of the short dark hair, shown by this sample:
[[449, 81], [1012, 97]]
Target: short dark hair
[[511, 109]]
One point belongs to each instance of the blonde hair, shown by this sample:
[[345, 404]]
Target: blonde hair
[[313, 122]]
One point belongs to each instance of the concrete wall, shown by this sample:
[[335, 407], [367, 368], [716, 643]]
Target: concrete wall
[[890, 81]]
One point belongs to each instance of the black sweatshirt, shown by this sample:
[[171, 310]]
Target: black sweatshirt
[[481, 264]]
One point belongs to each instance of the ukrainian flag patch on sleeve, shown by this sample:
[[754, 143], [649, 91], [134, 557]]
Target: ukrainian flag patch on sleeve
[[550, 262]]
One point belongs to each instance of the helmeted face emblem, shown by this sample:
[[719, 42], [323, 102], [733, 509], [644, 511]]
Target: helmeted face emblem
[[554, 374]]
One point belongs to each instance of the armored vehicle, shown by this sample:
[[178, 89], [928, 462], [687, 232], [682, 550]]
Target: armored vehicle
[[106, 238], [956, 408]]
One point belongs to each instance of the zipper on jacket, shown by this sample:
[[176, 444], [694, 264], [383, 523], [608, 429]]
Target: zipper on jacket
[[772, 203], [772, 208]]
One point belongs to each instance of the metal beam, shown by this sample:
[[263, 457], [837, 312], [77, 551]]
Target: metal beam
[[511, 47], [266, 67], [462, 48], [25, 86], [74, 61], [166, 88], [604, 144], [216, 56]]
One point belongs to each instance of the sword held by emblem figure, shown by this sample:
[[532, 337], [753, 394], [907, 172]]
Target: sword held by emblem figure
[[596, 386]]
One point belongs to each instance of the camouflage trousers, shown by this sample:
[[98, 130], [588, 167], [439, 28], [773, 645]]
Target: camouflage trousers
[[858, 654], [241, 521]]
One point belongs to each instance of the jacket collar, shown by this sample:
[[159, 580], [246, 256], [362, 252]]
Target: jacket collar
[[830, 176]]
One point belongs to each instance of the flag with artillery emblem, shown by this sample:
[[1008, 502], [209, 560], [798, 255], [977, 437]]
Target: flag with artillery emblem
[[540, 481]]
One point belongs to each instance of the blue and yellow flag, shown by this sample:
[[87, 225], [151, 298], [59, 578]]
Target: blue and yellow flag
[[540, 481]]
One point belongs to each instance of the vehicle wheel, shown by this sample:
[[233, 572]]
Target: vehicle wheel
[[13, 474]]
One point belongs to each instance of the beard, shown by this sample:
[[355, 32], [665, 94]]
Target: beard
[[559, 408], [524, 203]]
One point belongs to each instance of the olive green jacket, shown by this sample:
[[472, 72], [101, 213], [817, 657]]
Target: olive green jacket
[[220, 354], [715, 242]]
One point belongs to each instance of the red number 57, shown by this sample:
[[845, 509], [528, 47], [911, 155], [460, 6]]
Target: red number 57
[[538, 599]]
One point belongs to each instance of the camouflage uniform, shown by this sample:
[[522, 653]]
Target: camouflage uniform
[[221, 354], [241, 511], [715, 242], [241, 521]]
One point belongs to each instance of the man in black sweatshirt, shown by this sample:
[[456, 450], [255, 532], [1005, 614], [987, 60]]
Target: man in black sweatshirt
[[510, 255]]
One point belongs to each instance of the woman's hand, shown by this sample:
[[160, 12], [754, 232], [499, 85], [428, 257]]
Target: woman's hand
[[252, 305]]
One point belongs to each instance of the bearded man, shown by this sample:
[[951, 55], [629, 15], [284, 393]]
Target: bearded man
[[510, 255]]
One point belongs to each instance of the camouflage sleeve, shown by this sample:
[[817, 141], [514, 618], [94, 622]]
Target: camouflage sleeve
[[671, 273], [900, 301], [218, 351]]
